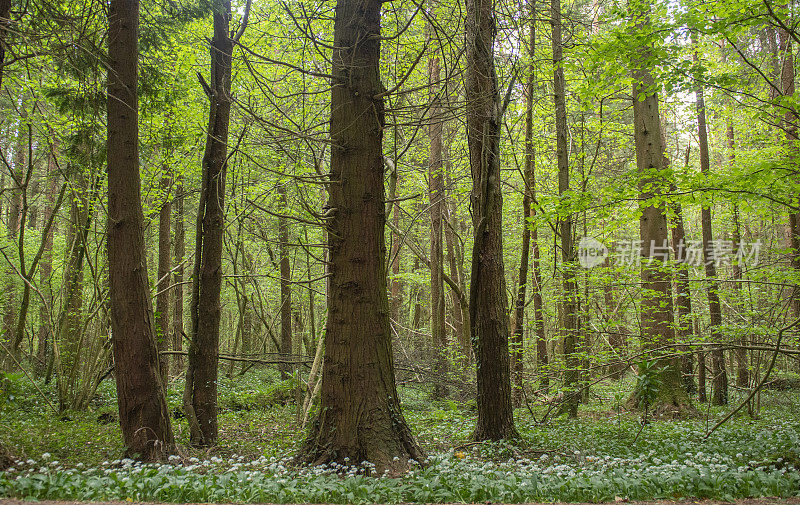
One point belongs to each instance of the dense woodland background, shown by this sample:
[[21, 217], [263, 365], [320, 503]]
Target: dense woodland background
[[364, 194]]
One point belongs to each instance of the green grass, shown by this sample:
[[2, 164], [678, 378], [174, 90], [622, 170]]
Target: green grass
[[604, 454]]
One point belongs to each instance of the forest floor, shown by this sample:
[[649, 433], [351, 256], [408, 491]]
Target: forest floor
[[745, 501], [606, 455]]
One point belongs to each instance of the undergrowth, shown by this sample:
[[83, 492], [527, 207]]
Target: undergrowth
[[604, 455]]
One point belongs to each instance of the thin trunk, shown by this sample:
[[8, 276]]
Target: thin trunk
[[164, 266], [286, 287], [742, 369], [200, 395], [517, 340], [5, 20], [487, 302], [683, 297], [177, 276], [45, 333], [617, 329], [436, 198], [146, 428], [720, 376], [571, 324]]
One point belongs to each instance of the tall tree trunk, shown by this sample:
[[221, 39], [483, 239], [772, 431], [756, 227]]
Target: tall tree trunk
[[177, 276], [572, 331], [436, 197], [719, 381], [200, 395], [146, 428], [359, 416], [164, 266], [656, 306], [517, 340], [487, 301], [286, 286]]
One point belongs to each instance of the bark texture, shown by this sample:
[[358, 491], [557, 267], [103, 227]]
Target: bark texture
[[487, 303], [359, 418], [146, 428], [200, 395]]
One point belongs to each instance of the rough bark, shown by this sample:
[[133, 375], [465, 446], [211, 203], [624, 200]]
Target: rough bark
[[200, 395], [146, 428], [487, 301], [571, 320], [359, 417]]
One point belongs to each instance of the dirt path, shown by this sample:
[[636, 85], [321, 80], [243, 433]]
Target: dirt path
[[748, 501]]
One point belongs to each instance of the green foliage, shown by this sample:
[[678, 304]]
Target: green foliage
[[596, 458]]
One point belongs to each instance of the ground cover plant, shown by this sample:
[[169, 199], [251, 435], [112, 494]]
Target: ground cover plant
[[605, 454]]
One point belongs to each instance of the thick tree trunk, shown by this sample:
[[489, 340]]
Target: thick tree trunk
[[719, 381], [436, 198], [200, 395], [487, 301], [359, 417], [656, 306], [286, 286], [572, 330], [143, 412]]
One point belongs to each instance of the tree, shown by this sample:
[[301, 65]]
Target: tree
[[572, 331], [487, 300], [146, 429], [719, 381], [164, 267], [656, 307], [436, 198], [286, 286], [200, 395], [359, 417]]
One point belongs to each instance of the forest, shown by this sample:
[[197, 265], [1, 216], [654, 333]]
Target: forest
[[373, 251]]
